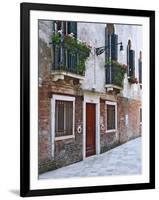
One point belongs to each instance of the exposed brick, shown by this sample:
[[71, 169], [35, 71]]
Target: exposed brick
[[131, 108]]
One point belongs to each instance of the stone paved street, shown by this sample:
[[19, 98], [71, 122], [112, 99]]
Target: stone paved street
[[122, 160]]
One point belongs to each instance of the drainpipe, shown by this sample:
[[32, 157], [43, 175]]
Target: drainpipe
[[94, 56], [110, 72]]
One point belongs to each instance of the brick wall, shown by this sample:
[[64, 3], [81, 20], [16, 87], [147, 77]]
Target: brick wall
[[107, 140], [128, 128], [70, 150], [128, 123], [65, 151]]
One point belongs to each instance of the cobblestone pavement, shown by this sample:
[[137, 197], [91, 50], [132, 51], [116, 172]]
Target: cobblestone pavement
[[122, 160]]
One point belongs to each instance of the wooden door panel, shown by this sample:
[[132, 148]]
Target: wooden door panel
[[90, 129]]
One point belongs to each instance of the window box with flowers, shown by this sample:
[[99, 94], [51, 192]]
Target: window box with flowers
[[115, 73], [133, 80], [72, 53]]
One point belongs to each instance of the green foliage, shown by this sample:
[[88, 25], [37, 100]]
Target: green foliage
[[75, 47], [56, 39], [118, 72]]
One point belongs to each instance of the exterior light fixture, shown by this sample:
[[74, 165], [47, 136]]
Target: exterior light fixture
[[121, 46], [100, 50]]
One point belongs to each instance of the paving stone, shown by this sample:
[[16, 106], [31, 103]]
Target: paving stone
[[122, 160]]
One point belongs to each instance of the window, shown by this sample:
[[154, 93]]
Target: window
[[111, 116], [114, 47], [111, 41], [63, 118], [140, 68], [111, 53], [130, 60], [61, 56], [140, 115]]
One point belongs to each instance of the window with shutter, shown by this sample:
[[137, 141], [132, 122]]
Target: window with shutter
[[62, 56], [140, 115], [114, 47], [131, 62], [56, 49], [72, 58], [140, 67], [140, 71], [72, 28], [111, 53], [106, 44]]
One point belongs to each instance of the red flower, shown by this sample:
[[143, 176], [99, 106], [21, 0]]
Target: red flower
[[125, 66], [133, 80]]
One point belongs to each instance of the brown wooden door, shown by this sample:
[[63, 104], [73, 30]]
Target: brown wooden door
[[90, 129]]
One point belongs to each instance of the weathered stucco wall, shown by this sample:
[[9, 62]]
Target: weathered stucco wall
[[133, 33], [71, 150], [93, 34]]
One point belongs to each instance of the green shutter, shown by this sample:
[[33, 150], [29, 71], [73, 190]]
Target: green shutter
[[72, 28], [72, 60], [140, 71], [131, 62], [106, 44], [114, 47], [55, 50]]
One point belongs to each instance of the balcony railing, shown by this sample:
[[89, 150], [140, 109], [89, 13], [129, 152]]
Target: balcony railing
[[115, 74], [69, 54], [65, 60]]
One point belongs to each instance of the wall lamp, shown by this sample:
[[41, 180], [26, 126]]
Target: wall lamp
[[100, 50]]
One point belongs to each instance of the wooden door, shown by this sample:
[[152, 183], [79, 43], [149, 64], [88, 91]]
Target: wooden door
[[90, 129]]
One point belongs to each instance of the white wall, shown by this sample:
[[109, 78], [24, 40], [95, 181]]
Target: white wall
[[45, 31], [94, 35], [9, 101], [133, 33]]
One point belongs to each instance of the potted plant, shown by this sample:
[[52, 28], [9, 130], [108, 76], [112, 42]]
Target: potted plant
[[133, 80]]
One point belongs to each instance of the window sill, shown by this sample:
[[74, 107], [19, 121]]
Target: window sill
[[111, 131], [64, 137], [112, 87]]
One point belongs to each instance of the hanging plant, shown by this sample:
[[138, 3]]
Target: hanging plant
[[75, 46], [133, 80], [56, 39], [118, 71], [71, 43]]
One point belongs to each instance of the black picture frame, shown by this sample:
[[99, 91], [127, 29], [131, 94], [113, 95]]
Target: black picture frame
[[25, 9]]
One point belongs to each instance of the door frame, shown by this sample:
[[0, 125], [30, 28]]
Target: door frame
[[93, 98]]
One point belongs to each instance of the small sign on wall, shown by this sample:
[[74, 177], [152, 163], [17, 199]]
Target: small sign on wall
[[126, 120]]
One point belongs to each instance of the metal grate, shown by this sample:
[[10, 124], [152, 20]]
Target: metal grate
[[63, 118], [110, 117]]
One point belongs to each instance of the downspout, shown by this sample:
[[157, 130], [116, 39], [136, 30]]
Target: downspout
[[110, 72]]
